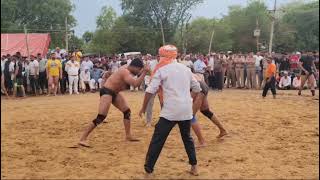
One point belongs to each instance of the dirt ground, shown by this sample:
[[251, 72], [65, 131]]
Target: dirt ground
[[268, 139]]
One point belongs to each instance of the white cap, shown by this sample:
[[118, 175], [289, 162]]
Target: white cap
[[298, 53]]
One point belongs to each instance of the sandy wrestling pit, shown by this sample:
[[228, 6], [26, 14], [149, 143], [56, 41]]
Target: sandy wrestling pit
[[268, 139]]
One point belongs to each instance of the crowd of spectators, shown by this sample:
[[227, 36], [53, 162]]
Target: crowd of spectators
[[74, 72]]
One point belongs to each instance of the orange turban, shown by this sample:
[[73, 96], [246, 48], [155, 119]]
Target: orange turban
[[168, 54]]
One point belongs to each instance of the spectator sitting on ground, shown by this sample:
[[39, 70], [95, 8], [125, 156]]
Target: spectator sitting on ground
[[296, 82], [96, 77], [285, 82], [85, 80]]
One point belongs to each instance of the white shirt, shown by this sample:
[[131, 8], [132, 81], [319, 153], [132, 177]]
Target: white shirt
[[153, 64], [42, 65], [2, 64], [26, 71], [147, 80], [72, 68], [176, 81], [86, 64], [296, 82], [58, 54], [85, 76], [189, 64], [211, 63], [129, 61], [11, 69], [258, 59], [11, 66], [34, 68], [114, 66], [285, 81], [199, 66]]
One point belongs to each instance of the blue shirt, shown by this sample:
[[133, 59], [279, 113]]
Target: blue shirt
[[199, 66], [96, 74]]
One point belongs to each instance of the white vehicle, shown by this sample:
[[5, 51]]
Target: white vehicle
[[131, 54]]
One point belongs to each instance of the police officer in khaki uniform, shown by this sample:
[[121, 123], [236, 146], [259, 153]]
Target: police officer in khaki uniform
[[239, 62], [251, 72]]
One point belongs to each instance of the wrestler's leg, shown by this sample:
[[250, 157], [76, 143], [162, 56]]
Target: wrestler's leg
[[56, 84], [311, 80], [303, 81], [50, 82], [197, 130], [205, 109], [197, 101], [105, 102], [121, 104]]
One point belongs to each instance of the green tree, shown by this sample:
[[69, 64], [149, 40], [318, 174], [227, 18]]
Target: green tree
[[242, 21], [39, 16], [298, 27], [153, 13], [87, 36], [107, 18], [75, 42], [199, 33]]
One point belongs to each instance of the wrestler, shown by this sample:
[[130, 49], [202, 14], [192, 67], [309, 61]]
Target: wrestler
[[110, 93], [200, 102]]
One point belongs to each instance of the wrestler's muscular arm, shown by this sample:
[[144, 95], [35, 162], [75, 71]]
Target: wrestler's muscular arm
[[131, 81]]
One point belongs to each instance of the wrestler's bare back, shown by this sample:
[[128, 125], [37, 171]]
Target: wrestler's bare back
[[116, 81]]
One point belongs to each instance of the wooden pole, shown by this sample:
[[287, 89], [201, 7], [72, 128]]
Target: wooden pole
[[67, 43], [211, 41], [162, 32], [257, 23], [26, 38], [272, 26]]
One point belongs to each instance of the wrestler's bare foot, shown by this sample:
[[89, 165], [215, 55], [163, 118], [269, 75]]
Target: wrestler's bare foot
[[148, 175], [202, 145], [84, 144], [222, 133], [148, 125], [129, 138], [194, 170]]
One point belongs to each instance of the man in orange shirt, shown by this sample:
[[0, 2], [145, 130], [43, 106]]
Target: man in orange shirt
[[270, 79]]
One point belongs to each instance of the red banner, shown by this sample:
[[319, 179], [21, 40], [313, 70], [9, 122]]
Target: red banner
[[37, 43]]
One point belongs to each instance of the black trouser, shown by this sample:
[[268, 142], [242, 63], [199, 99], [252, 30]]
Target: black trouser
[[8, 82], [211, 79], [206, 77], [269, 85], [285, 88], [63, 83], [161, 132], [218, 80], [34, 83], [25, 82], [43, 82]]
